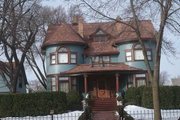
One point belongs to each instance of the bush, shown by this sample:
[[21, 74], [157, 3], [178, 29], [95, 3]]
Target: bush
[[132, 96], [142, 96], [176, 101], [74, 101], [32, 104]]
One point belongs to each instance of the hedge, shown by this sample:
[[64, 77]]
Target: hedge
[[34, 104], [74, 100], [142, 96]]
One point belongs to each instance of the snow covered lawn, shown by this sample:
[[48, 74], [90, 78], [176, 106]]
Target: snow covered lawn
[[140, 113], [65, 116]]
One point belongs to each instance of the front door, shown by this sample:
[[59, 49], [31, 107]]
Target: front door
[[103, 90]]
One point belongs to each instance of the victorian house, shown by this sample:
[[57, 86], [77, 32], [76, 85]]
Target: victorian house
[[97, 59]]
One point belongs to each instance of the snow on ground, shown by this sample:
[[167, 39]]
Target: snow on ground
[[140, 113], [65, 116]]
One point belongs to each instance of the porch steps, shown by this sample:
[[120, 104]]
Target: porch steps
[[104, 115], [103, 104]]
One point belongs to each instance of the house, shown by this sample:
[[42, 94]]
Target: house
[[21, 83], [97, 59]]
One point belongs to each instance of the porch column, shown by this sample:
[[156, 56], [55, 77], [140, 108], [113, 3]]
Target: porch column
[[117, 82], [85, 83]]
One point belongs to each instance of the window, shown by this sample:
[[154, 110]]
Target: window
[[128, 56], [73, 58], [53, 58], [106, 59], [130, 82], [138, 53], [99, 38], [74, 83], [62, 57], [53, 84], [140, 80], [64, 84], [95, 59]]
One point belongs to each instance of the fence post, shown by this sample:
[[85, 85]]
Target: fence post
[[51, 113]]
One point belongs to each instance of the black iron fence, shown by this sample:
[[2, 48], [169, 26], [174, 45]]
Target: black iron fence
[[137, 115], [149, 114], [65, 116]]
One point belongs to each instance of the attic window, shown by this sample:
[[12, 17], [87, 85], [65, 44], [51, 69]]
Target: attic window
[[99, 39], [100, 32]]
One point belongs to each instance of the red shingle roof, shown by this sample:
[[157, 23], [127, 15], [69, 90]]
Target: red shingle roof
[[67, 33], [88, 68]]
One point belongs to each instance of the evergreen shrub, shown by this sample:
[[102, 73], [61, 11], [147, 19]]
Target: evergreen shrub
[[32, 104], [142, 96]]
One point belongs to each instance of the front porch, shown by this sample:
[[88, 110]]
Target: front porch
[[102, 85]]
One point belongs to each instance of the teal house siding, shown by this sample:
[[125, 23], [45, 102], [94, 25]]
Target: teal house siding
[[3, 87], [58, 68], [137, 64], [20, 87]]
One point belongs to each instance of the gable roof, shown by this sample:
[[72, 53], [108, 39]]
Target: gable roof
[[117, 32]]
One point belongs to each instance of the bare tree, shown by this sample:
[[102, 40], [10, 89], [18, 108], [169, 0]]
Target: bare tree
[[166, 14], [164, 78], [18, 30], [47, 16]]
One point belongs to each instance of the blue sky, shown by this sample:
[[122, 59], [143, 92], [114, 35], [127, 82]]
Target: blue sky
[[168, 63]]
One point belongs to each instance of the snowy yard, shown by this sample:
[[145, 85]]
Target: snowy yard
[[66, 116], [140, 113]]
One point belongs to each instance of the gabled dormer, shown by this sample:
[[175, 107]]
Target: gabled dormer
[[100, 35]]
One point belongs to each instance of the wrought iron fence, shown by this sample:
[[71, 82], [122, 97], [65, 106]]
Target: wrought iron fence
[[65, 116], [149, 115]]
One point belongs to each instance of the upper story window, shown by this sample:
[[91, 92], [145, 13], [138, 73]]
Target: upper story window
[[53, 58], [64, 56], [136, 53], [100, 59], [128, 55], [100, 36]]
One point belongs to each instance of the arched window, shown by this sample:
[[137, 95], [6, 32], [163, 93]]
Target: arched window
[[138, 53], [63, 55]]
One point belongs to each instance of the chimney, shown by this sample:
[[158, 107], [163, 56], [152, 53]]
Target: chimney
[[80, 26], [75, 20]]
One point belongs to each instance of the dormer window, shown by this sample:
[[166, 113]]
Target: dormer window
[[100, 36]]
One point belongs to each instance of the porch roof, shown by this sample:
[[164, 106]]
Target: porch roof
[[89, 68]]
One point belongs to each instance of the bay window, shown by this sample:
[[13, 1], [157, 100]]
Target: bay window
[[138, 53], [64, 56], [53, 58], [128, 56], [73, 58]]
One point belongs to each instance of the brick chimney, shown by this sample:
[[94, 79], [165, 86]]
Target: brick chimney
[[75, 20], [80, 26]]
